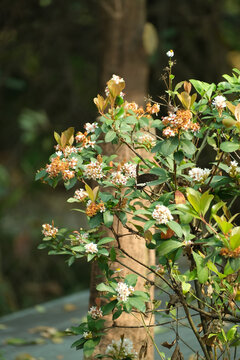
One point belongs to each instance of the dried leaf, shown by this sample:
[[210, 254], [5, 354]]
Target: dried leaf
[[143, 351], [98, 301], [148, 236], [22, 342], [39, 329], [168, 345], [25, 356], [69, 307], [3, 326], [177, 355], [187, 86], [237, 112], [231, 107], [168, 234], [179, 197], [185, 99]]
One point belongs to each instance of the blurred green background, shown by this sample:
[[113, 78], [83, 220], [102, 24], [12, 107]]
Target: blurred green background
[[50, 58]]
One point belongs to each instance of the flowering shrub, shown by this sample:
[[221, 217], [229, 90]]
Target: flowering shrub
[[180, 200]]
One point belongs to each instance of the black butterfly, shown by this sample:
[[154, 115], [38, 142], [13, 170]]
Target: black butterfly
[[144, 179]]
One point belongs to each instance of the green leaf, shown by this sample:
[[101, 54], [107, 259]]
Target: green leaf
[[108, 218], [166, 147], [194, 197], [188, 147], [202, 270], [40, 174], [168, 246], [108, 308], [117, 314], [138, 303], [232, 332], [175, 227], [205, 202], [110, 136], [131, 279], [148, 224], [89, 346], [228, 146], [104, 287], [105, 240], [178, 156], [113, 254], [235, 238], [96, 220], [187, 210]]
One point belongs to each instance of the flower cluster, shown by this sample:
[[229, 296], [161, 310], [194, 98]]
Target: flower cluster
[[146, 140], [94, 170], [233, 169], [93, 208], [129, 169], [124, 172], [152, 109], [230, 253], [119, 178], [58, 166], [123, 291], [117, 80], [82, 139], [49, 230], [95, 312], [199, 175], [80, 195], [219, 102], [90, 128], [79, 237], [91, 248], [162, 214], [121, 349], [178, 122]]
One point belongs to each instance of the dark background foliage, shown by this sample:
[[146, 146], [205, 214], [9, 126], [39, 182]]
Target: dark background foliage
[[49, 74]]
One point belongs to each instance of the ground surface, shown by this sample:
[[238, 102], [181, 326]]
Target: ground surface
[[29, 328]]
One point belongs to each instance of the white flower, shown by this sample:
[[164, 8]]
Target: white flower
[[90, 143], [93, 170], [233, 169], [59, 153], [90, 127], [73, 162], [168, 132], [95, 312], [80, 194], [123, 291], [121, 348], [68, 150], [87, 335], [219, 102], [199, 175], [162, 214], [117, 79], [130, 170], [91, 248], [118, 178], [170, 53], [147, 140], [49, 230]]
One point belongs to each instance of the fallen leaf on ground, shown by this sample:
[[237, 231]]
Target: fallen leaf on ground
[[21, 342], [40, 308], [69, 307], [25, 357]]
